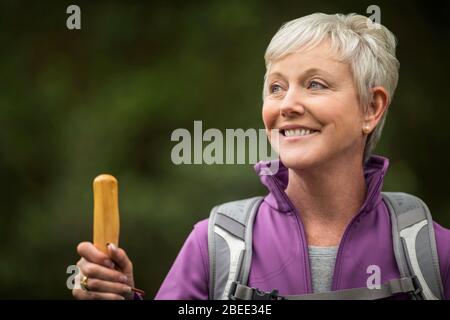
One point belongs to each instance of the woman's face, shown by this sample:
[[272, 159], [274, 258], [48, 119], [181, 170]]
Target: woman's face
[[313, 91]]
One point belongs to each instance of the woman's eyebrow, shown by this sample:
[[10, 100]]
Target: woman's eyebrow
[[307, 73], [312, 71], [275, 74]]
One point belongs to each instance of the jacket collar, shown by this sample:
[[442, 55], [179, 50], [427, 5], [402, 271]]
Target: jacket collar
[[374, 172]]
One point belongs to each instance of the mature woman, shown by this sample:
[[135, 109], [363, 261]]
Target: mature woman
[[324, 224]]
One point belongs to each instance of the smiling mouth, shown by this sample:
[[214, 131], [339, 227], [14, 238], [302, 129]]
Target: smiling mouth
[[297, 132]]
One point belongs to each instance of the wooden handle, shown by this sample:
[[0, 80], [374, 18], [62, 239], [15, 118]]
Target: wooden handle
[[106, 212]]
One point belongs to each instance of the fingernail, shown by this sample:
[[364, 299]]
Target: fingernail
[[123, 278], [112, 246], [109, 263], [126, 289]]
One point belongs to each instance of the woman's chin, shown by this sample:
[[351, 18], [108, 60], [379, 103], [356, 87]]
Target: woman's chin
[[298, 161]]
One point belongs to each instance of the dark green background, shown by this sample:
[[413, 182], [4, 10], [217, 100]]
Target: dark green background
[[74, 104]]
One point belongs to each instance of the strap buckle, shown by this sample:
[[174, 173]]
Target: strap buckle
[[232, 291], [254, 293], [262, 295], [416, 284]]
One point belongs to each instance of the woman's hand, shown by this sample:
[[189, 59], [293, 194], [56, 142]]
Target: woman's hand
[[108, 278]]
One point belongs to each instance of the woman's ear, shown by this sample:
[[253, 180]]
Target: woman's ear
[[376, 109]]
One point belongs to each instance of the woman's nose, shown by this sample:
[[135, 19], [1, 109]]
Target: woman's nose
[[292, 104]]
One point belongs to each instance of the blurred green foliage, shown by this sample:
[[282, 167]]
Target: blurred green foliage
[[74, 104]]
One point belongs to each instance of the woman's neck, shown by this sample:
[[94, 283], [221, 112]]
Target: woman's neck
[[327, 198]]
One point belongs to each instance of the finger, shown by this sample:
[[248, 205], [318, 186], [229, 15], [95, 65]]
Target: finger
[[91, 295], [96, 271], [79, 294], [78, 276], [96, 285], [105, 296], [88, 251], [120, 257]]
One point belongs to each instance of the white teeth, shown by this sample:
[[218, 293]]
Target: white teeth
[[297, 132]]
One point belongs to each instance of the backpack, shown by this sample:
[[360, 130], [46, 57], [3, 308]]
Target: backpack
[[230, 229]]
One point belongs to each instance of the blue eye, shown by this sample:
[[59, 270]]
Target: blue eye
[[316, 85], [275, 88]]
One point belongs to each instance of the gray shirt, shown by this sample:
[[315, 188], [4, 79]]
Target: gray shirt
[[322, 260]]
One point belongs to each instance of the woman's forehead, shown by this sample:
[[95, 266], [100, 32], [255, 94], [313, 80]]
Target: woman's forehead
[[324, 49], [316, 60]]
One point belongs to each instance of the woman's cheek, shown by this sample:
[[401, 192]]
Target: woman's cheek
[[269, 114]]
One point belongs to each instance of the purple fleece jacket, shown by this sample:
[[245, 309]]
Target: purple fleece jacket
[[280, 251]]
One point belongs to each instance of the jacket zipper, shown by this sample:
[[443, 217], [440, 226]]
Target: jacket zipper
[[302, 236], [337, 265]]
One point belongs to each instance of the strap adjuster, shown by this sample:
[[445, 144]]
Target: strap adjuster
[[247, 293], [416, 284], [262, 295], [232, 290]]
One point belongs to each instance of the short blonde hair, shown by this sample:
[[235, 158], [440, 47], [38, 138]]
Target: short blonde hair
[[368, 48]]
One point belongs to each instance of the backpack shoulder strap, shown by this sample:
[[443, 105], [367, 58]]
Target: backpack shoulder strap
[[230, 232], [414, 242]]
